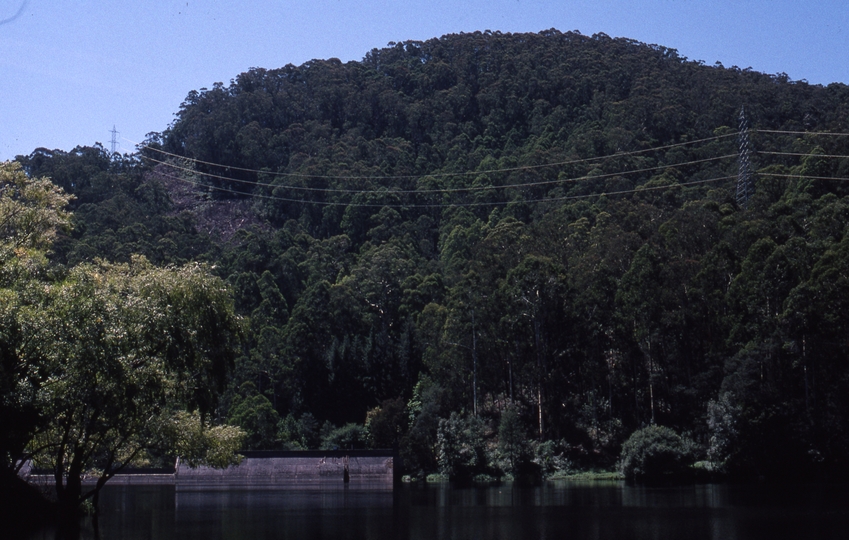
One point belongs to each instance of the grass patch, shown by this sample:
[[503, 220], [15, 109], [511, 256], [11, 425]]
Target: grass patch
[[436, 478], [485, 480], [587, 476]]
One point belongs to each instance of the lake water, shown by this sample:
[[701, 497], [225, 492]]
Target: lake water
[[556, 510]]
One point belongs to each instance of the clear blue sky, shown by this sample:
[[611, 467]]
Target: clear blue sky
[[70, 70]]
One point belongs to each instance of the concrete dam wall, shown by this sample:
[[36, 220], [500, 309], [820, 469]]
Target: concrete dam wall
[[306, 469], [309, 469]]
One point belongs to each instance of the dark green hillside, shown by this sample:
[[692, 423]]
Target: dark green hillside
[[487, 239], [470, 103]]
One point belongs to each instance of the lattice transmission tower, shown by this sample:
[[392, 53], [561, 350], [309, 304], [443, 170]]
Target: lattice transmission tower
[[745, 176], [114, 133]]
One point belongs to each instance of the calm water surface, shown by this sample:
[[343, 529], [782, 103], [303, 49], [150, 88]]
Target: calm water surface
[[556, 510]]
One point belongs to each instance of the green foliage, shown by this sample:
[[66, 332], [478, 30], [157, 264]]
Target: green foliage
[[101, 361], [461, 447], [257, 417], [656, 453], [723, 426], [308, 431], [549, 457], [513, 449], [112, 346], [199, 443], [545, 219], [299, 434], [120, 208], [348, 437], [387, 424], [32, 211], [418, 446]]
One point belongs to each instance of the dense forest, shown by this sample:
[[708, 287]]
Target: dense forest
[[495, 252]]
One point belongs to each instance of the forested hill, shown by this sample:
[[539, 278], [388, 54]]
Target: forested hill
[[484, 239]]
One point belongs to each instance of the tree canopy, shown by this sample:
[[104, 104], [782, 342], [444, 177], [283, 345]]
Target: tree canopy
[[103, 363]]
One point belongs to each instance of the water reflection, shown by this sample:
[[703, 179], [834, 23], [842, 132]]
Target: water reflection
[[601, 511]]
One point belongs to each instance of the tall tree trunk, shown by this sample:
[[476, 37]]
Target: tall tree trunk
[[538, 340]]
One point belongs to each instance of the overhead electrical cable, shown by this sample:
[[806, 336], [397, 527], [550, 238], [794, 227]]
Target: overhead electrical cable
[[799, 154], [486, 171], [640, 189], [440, 190], [441, 174], [472, 189], [781, 132], [803, 176]]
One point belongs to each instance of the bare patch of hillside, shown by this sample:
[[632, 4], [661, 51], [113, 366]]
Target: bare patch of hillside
[[218, 218]]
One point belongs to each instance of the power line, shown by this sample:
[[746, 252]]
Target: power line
[[441, 190], [486, 171], [640, 189], [781, 132], [804, 176], [744, 172], [441, 174], [799, 154]]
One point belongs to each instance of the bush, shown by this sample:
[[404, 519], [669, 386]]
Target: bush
[[417, 447], [656, 453], [308, 431], [549, 456], [299, 434], [461, 447], [515, 453], [348, 437], [257, 417], [386, 424], [513, 448], [723, 417]]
